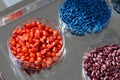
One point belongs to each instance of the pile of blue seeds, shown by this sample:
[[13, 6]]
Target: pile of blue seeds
[[84, 16]]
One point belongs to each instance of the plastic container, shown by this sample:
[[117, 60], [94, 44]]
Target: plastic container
[[116, 5], [29, 73], [107, 38], [71, 26]]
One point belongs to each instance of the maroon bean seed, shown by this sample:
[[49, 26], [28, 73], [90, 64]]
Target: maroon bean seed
[[94, 79]]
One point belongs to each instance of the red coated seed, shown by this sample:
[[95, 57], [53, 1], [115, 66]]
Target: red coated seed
[[22, 58], [37, 63], [19, 50], [55, 59], [53, 54], [37, 33], [38, 54], [13, 43], [50, 31], [39, 59], [53, 44], [26, 65], [24, 49], [37, 67], [14, 52], [47, 28], [41, 26], [27, 58], [18, 56], [36, 45], [49, 62], [55, 50], [38, 23], [32, 65], [32, 60], [34, 24], [59, 37], [32, 55], [28, 26], [21, 54], [55, 32], [49, 54], [45, 33], [44, 64]]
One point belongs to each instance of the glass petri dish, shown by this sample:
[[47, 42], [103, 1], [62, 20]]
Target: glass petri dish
[[102, 71], [28, 67], [116, 5], [80, 23]]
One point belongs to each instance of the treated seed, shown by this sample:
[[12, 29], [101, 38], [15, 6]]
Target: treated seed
[[44, 64], [32, 60], [35, 44], [39, 59], [82, 18]]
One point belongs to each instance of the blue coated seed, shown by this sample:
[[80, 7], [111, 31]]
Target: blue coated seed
[[86, 15], [97, 29], [89, 30]]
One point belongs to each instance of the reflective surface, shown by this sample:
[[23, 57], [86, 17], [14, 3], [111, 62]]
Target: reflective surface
[[71, 68], [8, 3], [12, 10]]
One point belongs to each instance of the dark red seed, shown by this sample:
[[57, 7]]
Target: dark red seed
[[94, 79]]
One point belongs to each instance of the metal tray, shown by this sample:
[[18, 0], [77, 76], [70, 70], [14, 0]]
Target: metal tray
[[12, 10], [71, 67]]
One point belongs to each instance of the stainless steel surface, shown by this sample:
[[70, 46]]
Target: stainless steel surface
[[71, 67], [2, 6], [12, 11]]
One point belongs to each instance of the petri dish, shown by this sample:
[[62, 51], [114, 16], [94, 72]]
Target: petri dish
[[79, 21], [98, 59], [28, 69]]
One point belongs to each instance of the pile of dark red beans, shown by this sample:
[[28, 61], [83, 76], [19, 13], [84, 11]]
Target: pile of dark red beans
[[35, 46], [103, 63]]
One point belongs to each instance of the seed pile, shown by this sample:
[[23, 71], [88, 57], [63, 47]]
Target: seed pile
[[84, 16], [36, 45], [103, 63]]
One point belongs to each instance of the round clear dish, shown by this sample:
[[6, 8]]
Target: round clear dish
[[98, 67], [79, 20], [116, 5], [27, 67]]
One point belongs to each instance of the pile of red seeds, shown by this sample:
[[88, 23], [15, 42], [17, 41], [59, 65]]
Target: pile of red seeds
[[36, 45], [103, 63]]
